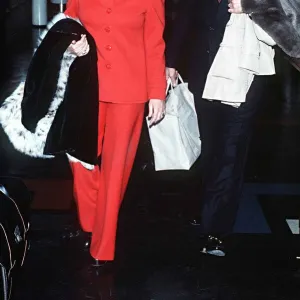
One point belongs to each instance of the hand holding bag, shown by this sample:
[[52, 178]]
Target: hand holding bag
[[176, 139]]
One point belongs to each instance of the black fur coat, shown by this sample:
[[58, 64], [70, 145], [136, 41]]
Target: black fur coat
[[281, 20], [56, 111]]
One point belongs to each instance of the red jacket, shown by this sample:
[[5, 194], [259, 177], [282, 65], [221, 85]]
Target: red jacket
[[129, 38]]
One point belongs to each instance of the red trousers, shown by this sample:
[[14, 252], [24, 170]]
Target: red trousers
[[99, 193]]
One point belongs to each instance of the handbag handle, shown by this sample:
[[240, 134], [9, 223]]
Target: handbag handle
[[170, 85]]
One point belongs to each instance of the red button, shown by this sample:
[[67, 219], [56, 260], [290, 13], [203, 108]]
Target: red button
[[107, 29], [108, 66], [109, 10], [108, 47]]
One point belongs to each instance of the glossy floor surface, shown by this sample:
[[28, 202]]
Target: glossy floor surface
[[158, 253], [157, 259]]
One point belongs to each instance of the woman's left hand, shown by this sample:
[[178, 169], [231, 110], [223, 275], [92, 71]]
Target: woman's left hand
[[235, 6], [157, 110]]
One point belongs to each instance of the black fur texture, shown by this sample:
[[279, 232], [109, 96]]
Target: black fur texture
[[75, 126], [280, 19]]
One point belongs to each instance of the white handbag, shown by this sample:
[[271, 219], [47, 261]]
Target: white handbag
[[176, 140]]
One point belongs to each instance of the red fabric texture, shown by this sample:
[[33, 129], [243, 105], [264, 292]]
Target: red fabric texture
[[99, 193], [130, 46]]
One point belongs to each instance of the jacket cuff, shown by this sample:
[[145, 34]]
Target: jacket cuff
[[170, 61], [158, 93]]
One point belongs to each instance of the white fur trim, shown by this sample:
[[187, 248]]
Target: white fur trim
[[23, 140]]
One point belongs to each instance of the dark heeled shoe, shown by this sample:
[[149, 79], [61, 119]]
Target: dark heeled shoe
[[102, 267], [99, 263]]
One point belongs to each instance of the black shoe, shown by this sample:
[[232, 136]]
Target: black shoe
[[99, 263], [214, 246], [195, 221], [102, 267]]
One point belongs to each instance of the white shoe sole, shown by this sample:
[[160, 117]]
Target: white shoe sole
[[216, 252]]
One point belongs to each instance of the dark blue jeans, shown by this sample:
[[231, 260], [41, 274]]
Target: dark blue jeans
[[225, 132]]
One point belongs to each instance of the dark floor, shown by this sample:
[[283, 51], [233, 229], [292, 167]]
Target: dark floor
[[157, 255], [159, 261]]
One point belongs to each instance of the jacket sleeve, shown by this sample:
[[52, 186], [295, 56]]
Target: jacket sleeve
[[280, 19], [180, 31], [155, 48], [71, 10]]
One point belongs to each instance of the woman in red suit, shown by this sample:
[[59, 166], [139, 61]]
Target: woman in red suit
[[131, 68]]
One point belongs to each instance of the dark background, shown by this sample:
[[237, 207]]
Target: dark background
[[157, 251], [274, 155]]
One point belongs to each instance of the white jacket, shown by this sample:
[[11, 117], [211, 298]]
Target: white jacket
[[246, 51]]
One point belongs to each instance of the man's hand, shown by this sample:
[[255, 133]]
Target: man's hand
[[235, 6], [172, 74]]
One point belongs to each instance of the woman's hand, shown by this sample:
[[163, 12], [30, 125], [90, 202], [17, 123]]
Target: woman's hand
[[235, 6], [81, 47], [172, 74], [157, 110]]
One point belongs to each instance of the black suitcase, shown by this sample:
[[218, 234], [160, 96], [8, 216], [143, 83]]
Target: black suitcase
[[15, 202]]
